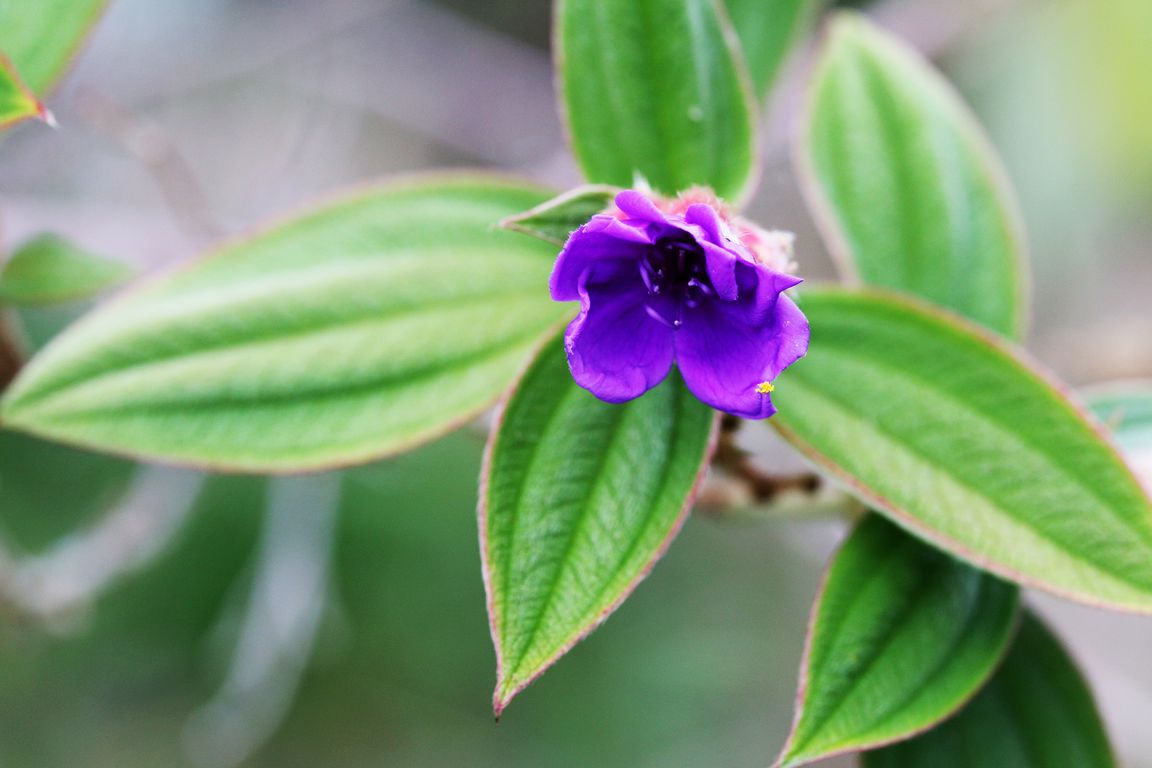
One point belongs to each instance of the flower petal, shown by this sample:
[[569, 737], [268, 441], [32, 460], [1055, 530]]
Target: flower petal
[[615, 349], [724, 357], [636, 205], [601, 248], [721, 264]]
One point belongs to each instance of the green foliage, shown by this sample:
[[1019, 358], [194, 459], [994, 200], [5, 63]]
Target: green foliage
[[17, 103], [901, 636], [1036, 713], [656, 89], [955, 437], [904, 183], [354, 332], [768, 29], [579, 499], [40, 509], [49, 269], [42, 36], [554, 220]]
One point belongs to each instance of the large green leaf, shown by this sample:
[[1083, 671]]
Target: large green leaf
[[955, 436], [353, 332], [767, 31], [17, 103], [579, 498], [1036, 713], [49, 269], [41, 36], [904, 183], [901, 636], [657, 89]]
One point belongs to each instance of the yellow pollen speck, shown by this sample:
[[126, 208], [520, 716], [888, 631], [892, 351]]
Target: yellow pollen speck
[[765, 387]]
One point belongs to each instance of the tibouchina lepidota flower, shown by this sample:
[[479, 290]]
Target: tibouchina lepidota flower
[[663, 282]]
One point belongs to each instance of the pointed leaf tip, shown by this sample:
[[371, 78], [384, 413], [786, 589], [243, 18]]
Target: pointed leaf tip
[[17, 102], [904, 183], [900, 637], [579, 499], [265, 358]]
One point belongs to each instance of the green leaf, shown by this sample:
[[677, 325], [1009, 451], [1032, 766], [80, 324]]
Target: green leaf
[[556, 219], [768, 29], [578, 500], [901, 637], [42, 36], [353, 332], [905, 184], [656, 89], [956, 437], [49, 269], [17, 103], [1036, 713]]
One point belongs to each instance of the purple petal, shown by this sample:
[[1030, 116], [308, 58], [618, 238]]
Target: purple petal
[[637, 206], [706, 217], [604, 245], [721, 265], [724, 356], [615, 349]]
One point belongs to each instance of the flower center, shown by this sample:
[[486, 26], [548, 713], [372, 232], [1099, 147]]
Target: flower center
[[676, 274]]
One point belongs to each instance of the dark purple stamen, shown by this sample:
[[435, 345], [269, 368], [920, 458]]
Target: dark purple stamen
[[676, 275]]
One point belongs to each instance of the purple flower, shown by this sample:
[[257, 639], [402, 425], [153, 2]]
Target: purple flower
[[657, 288]]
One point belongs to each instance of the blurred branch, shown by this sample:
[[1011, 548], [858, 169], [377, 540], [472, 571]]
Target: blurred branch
[[144, 141], [286, 603], [75, 572], [739, 490]]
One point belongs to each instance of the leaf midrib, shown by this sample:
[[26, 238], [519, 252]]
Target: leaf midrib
[[973, 490], [1015, 435], [22, 399]]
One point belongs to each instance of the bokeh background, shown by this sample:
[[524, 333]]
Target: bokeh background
[[157, 617]]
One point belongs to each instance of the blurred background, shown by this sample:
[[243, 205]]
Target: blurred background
[[156, 617]]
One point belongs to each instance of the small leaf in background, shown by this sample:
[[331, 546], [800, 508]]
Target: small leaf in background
[[904, 182], [353, 332], [579, 498], [957, 438], [1126, 409], [49, 269], [768, 29], [17, 103], [901, 636], [42, 36], [1037, 712], [656, 89], [554, 220]]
